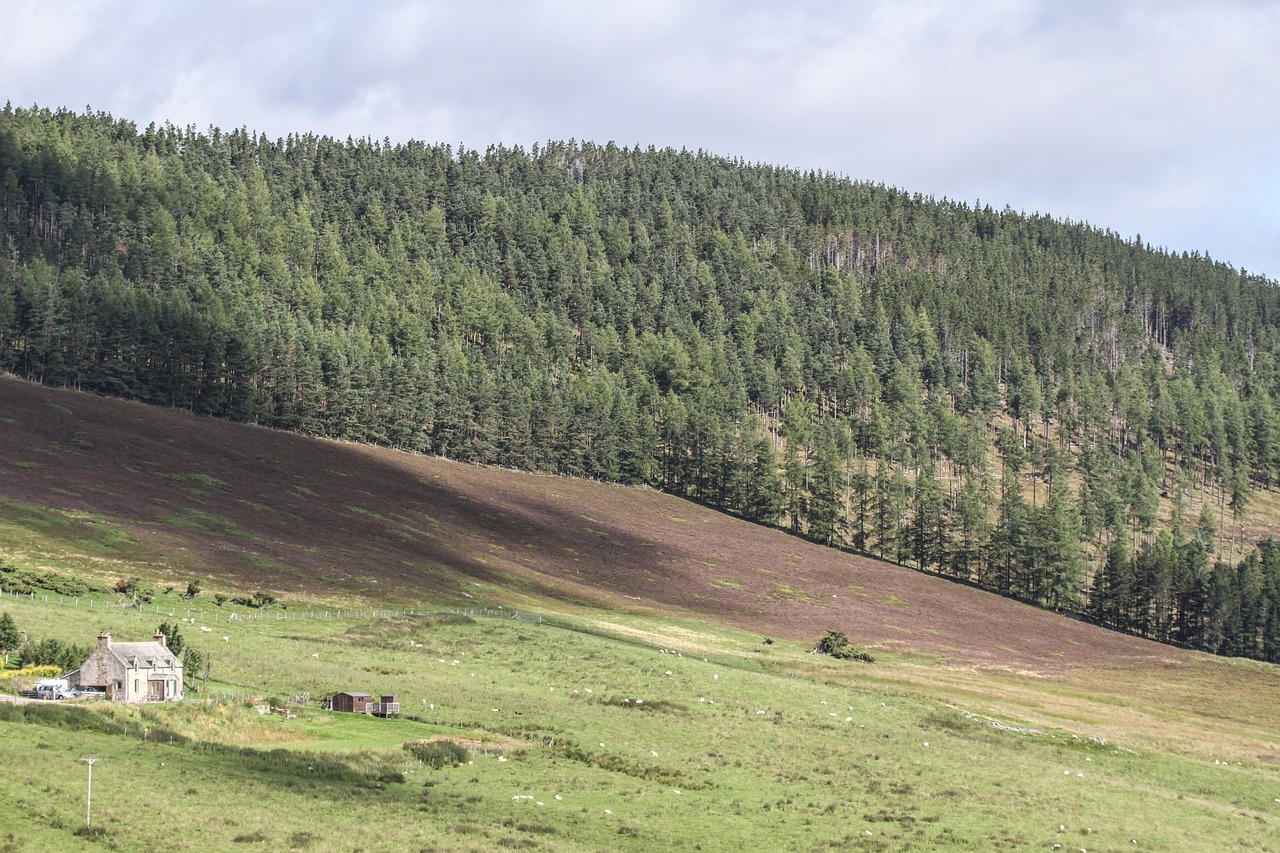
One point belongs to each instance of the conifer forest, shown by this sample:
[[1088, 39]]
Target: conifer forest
[[1039, 407]]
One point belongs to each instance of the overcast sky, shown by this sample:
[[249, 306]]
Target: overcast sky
[[1158, 118]]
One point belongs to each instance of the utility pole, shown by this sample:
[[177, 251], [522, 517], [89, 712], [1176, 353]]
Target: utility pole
[[88, 806]]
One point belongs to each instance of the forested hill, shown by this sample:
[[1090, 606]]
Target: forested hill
[[1041, 407]]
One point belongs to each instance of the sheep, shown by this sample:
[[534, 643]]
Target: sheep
[[226, 639], [315, 654]]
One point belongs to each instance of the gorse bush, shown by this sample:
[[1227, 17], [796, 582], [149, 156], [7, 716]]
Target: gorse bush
[[31, 672]]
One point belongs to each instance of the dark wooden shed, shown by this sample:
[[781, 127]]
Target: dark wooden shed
[[387, 706], [356, 703]]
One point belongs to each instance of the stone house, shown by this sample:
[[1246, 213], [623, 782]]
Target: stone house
[[131, 672]]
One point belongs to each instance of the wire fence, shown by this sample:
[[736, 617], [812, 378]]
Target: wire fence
[[279, 614]]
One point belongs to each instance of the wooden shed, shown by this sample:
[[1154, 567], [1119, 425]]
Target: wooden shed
[[356, 703], [387, 706]]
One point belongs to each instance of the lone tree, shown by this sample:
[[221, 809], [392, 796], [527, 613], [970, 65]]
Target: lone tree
[[10, 638], [172, 639], [837, 645], [196, 665]]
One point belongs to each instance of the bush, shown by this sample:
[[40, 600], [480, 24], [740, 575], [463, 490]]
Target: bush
[[438, 753], [41, 671], [837, 645], [258, 599], [133, 589]]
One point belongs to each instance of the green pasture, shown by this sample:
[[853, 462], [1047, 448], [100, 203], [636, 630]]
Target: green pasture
[[589, 736]]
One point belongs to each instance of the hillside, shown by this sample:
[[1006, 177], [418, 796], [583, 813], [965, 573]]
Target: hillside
[[645, 712], [1039, 407], [122, 489]]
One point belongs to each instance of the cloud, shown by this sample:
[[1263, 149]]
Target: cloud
[[1140, 116]]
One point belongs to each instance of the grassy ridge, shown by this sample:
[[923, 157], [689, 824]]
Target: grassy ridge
[[842, 757]]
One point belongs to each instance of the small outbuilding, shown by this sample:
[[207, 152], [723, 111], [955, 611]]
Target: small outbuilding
[[354, 703], [387, 705]]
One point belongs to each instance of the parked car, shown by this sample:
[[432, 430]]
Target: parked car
[[53, 688]]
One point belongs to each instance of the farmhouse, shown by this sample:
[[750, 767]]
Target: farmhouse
[[131, 672]]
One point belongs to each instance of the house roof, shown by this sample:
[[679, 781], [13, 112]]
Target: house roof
[[145, 655], [354, 695]]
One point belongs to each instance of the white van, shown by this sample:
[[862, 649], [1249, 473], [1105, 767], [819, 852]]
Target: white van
[[53, 688]]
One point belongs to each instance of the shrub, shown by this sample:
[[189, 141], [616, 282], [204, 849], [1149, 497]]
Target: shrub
[[837, 645], [438, 753], [26, 581], [133, 589], [258, 599]]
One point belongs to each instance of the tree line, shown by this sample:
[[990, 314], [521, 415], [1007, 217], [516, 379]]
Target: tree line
[[1040, 407]]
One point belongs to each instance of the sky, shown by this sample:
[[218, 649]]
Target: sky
[[1157, 118]]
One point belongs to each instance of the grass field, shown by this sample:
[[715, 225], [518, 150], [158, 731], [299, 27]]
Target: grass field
[[734, 744]]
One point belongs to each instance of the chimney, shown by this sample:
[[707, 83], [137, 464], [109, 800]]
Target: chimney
[[104, 640], [159, 638]]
